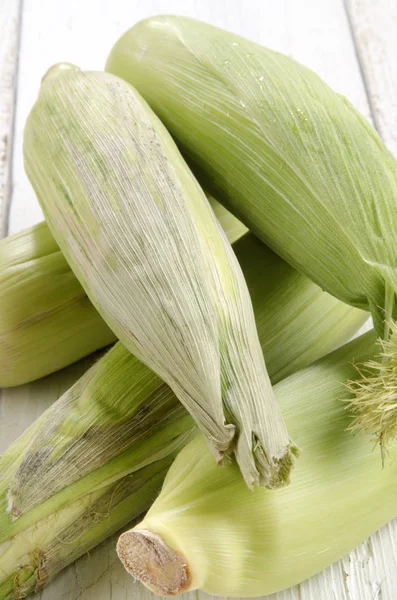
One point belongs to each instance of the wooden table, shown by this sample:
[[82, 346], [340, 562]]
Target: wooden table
[[352, 45]]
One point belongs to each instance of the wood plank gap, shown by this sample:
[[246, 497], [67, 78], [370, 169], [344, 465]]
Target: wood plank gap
[[360, 63], [7, 129]]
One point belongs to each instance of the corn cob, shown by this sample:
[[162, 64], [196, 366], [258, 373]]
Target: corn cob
[[207, 531], [143, 241], [288, 156], [41, 300]]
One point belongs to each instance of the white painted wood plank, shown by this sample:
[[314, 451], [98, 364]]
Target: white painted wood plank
[[316, 32], [9, 41], [374, 26]]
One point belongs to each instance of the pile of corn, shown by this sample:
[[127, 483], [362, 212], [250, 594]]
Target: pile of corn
[[228, 402]]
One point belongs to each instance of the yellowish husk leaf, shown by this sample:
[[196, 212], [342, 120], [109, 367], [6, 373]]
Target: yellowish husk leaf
[[46, 319]]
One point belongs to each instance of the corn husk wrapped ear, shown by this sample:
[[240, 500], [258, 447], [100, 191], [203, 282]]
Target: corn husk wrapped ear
[[286, 154], [207, 531], [142, 239]]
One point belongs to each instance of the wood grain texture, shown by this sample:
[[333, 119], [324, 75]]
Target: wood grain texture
[[317, 33], [9, 42], [374, 27], [374, 30], [10, 14]]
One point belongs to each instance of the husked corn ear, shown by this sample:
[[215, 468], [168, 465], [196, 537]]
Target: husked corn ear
[[46, 319], [143, 241], [286, 154]]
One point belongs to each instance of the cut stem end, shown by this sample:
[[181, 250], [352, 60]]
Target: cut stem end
[[281, 468], [147, 558]]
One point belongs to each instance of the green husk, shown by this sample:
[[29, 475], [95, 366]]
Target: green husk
[[207, 531], [113, 408], [116, 419], [46, 319], [120, 416], [286, 154], [144, 243]]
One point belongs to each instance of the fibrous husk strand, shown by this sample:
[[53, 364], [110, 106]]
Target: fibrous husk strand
[[374, 402]]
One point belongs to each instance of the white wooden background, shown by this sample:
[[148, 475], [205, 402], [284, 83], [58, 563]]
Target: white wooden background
[[351, 44]]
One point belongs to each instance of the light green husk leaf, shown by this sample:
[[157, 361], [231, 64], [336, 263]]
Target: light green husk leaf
[[207, 531], [143, 241], [116, 419], [120, 416], [286, 154], [289, 156], [46, 319], [233, 228]]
